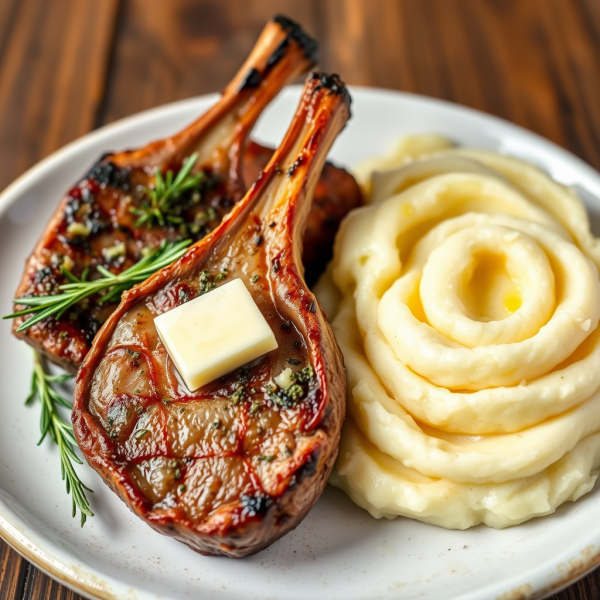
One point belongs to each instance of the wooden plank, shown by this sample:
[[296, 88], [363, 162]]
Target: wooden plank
[[8, 11], [13, 569], [44, 106], [574, 56], [368, 43], [41, 587], [587, 589], [167, 51], [534, 63]]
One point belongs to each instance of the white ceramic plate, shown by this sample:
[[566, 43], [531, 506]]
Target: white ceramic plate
[[339, 551]]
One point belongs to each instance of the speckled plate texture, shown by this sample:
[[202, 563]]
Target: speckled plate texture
[[339, 550]]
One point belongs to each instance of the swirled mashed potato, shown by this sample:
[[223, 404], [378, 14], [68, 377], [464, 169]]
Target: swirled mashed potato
[[466, 301]]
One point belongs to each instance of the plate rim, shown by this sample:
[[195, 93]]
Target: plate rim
[[87, 580]]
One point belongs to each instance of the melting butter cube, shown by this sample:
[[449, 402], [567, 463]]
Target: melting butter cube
[[215, 333]]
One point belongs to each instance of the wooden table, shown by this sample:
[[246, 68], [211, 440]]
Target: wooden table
[[68, 66]]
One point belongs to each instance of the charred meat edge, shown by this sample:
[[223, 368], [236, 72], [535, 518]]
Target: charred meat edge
[[322, 113], [282, 52]]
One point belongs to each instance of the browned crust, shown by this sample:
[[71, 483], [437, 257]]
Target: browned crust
[[282, 53], [319, 118]]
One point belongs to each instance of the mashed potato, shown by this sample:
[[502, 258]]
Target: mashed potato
[[466, 301]]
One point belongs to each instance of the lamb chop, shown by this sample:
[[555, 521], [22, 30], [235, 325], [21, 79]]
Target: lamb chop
[[113, 216], [234, 465]]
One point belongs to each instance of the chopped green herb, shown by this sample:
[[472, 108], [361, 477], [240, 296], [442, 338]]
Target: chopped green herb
[[268, 458], [242, 375], [293, 361], [276, 265], [255, 407], [238, 395], [305, 375], [62, 335], [255, 278], [140, 433], [177, 474], [217, 424], [181, 409], [78, 229], [292, 393], [182, 488], [206, 282], [295, 392]]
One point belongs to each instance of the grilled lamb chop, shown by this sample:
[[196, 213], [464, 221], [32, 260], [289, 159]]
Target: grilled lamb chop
[[233, 466], [98, 222]]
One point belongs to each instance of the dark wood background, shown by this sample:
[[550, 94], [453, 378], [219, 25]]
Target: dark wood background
[[69, 66]]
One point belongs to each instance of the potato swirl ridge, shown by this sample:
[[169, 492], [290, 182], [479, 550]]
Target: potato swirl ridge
[[466, 300]]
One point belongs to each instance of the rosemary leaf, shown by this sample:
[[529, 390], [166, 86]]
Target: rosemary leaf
[[160, 202], [61, 433], [111, 286]]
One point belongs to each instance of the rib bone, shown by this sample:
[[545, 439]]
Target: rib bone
[[231, 467]]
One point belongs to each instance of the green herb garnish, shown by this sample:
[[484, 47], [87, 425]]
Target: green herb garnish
[[239, 394], [295, 392], [268, 458], [159, 206], [206, 282], [114, 285], [60, 431], [222, 275]]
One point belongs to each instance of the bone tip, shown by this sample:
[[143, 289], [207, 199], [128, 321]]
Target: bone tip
[[331, 82], [309, 45]]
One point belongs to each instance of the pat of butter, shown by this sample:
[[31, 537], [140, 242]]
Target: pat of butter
[[214, 334]]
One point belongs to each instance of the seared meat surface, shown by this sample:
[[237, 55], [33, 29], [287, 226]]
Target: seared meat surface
[[98, 222], [230, 467]]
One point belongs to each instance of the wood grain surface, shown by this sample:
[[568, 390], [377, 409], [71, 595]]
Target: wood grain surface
[[68, 66]]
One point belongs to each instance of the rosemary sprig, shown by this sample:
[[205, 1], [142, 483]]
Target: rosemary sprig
[[61, 432], [114, 285], [159, 205]]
